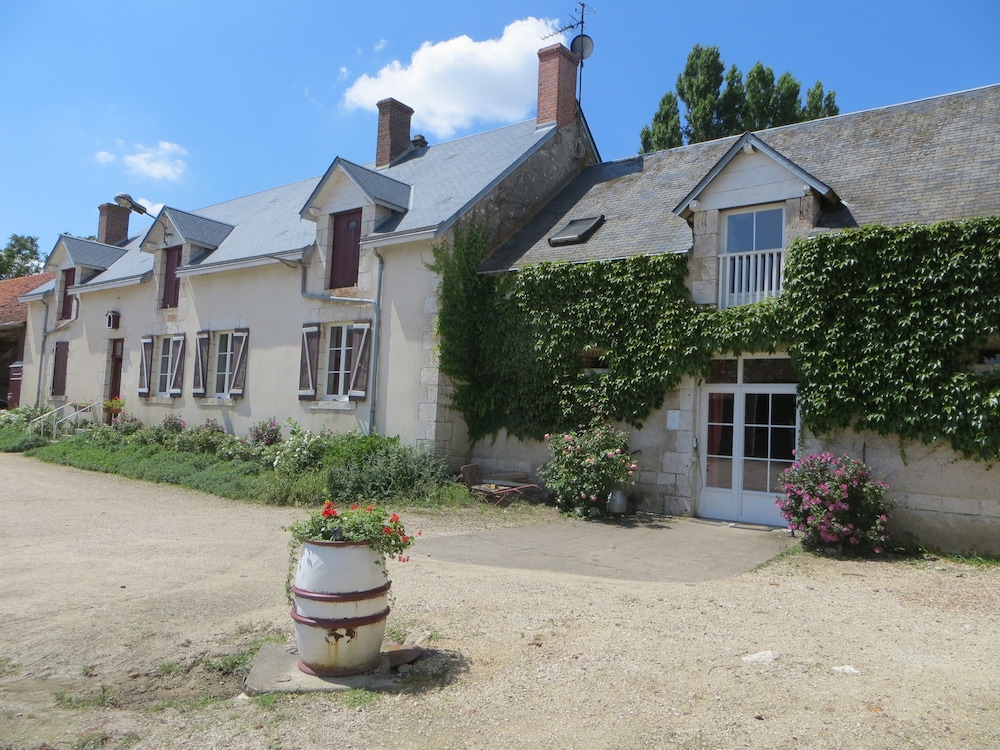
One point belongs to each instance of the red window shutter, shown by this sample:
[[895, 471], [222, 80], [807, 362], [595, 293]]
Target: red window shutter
[[238, 385], [177, 365], [361, 346], [59, 368], [145, 364], [66, 306], [308, 362], [171, 283], [201, 343], [346, 255]]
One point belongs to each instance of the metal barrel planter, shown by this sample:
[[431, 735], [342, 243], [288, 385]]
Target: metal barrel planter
[[341, 595]]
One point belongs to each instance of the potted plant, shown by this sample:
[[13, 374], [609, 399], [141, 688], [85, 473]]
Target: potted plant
[[114, 405], [341, 586], [588, 469]]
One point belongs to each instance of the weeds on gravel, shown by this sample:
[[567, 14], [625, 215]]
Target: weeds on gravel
[[8, 666], [106, 698], [358, 698], [188, 704]]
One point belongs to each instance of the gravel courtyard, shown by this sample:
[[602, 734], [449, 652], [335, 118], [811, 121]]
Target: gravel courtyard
[[122, 605]]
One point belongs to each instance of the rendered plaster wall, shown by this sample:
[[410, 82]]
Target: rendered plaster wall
[[942, 501]]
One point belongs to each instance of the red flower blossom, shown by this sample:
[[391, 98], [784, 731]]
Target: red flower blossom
[[355, 506], [329, 512], [395, 518], [386, 530]]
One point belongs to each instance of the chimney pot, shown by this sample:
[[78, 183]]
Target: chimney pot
[[557, 86], [112, 229], [393, 131]]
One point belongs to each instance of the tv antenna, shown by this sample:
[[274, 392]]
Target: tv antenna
[[581, 45]]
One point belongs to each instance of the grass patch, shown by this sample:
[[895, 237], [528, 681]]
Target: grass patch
[[106, 698], [268, 701], [793, 550], [188, 704], [170, 668], [15, 439], [8, 666], [358, 698], [238, 664], [975, 560]]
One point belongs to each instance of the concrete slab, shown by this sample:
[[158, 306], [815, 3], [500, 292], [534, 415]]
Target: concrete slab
[[653, 548], [276, 670]]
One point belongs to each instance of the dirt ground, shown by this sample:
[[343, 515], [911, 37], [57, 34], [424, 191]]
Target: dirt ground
[[129, 613]]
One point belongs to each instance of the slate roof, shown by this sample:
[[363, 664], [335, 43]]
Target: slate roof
[[90, 253], [11, 310], [198, 229], [919, 162], [434, 185], [448, 178]]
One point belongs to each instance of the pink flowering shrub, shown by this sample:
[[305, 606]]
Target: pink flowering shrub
[[585, 466], [835, 502]]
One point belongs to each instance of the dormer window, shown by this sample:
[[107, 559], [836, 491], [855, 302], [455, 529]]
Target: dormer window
[[752, 261], [345, 252], [66, 303]]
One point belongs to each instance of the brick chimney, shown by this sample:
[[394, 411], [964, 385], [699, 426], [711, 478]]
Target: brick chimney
[[113, 226], [393, 131], [557, 86]]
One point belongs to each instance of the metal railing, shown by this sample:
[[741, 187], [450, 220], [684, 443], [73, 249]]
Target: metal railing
[[51, 419], [749, 277]]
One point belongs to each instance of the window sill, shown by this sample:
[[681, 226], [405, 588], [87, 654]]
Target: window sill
[[219, 401], [331, 406], [159, 400]]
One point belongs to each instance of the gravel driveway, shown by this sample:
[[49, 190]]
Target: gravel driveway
[[123, 603]]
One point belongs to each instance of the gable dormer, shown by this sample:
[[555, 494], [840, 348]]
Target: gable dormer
[[178, 239], [75, 262], [744, 213], [347, 204]]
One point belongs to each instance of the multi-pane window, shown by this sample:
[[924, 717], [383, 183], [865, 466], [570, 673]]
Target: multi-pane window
[[750, 268], [229, 363], [339, 359], [344, 351], [164, 367]]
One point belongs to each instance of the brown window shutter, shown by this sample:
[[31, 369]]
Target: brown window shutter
[[59, 368], [308, 362], [201, 344], [238, 385], [171, 283], [177, 363], [66, 307], [361, 346], [345, 256], [145, 364]]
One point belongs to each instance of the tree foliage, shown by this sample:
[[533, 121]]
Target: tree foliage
[[19, 257], [719, 103]]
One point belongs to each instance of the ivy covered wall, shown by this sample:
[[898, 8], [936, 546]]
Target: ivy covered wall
[[884, 324]]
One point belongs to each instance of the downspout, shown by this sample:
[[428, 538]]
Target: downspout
[[375, 340], [41, 354]]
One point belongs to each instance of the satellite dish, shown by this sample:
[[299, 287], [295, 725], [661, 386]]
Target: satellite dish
[[583, 46]]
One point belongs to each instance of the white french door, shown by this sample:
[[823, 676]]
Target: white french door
[[747, 438]]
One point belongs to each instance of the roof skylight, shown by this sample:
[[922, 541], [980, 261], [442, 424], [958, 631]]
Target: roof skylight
[[576, 232]]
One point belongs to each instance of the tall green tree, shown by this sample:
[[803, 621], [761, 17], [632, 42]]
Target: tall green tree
[[19, 257], [714, 110]]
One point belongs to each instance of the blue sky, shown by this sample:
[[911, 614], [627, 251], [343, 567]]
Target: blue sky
[[189, 103]]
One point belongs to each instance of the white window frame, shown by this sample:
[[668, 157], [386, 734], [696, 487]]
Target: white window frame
[[753, 275], [228, 356], [168, 357], [339, 340]]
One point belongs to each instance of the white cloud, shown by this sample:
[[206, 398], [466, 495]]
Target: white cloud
[[161, 162], [104, 157], [381, 45], [455, 83], [152, 208]]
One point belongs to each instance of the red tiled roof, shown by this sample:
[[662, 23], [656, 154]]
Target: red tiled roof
[[12, 311]]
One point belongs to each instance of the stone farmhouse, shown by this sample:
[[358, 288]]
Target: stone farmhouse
[[314, 301], [732, 206], [310, 301]]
